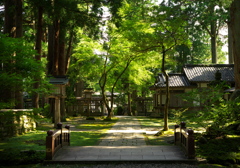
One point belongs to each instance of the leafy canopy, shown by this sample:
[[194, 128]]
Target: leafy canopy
[[18, 66]]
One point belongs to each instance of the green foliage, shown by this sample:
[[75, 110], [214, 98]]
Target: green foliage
[[18, 67], [86, 61], [214, 112], [205, 19], [42, 113], [119, 110], [178, 115], [221, 151]]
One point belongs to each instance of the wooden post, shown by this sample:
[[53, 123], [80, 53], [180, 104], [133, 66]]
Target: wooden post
[[190, 145], [183, 125], [57, 111], [49, 145], [68, 135], [177, 135]]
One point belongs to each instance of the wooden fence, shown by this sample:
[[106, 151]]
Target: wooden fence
[[55, 140], [185, 138]]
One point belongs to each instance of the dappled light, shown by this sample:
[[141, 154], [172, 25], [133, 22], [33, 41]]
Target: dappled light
[[85, 138], [127, 131]]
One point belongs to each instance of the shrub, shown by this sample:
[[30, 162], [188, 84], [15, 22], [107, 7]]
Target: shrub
[[214, 113], [223, 151], [13, 156]]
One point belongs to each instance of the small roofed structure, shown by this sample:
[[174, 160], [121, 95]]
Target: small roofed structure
[[175, 80], [178, 84], [204, 74]]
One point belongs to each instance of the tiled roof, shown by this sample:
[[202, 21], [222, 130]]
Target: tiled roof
[[58, 80], [206, 73], [175, 80]]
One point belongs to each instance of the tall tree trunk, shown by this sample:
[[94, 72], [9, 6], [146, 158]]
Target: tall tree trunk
[[50, 56], [62, 56], [56, 47], [165, 128], [61, 67], [9, 18], [19, 34], [105, 102], [13, 27], [129, 101], [7, 94], [235, 24], [62, 110], [19, 18], [213, 43], [35, 99], [230, 46], [69, 49], [102, 84]]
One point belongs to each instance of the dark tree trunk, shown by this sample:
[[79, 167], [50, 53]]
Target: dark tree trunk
[[13, 27], [129, 102], [62, 109], [165, 128], [56, 47], [69, 49], [35, 99], [213, 43], [19, 34], [62, 56], [9, 18], [19, 18], [235, 24], [9, 29], [230, 46], [62, 67], [50, 57]]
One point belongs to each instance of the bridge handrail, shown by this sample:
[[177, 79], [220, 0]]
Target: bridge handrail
[[55, 140], [185, 138]]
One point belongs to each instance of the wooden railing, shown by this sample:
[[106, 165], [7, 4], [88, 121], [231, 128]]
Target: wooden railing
[[55, 140], [185, 138]]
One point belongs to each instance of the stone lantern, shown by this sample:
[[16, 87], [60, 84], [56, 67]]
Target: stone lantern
[[58, 91]]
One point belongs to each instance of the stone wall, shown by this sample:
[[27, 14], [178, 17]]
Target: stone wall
[[16, 122]]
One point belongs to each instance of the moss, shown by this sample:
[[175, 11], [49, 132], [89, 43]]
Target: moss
[[90, 118], [108, 119]]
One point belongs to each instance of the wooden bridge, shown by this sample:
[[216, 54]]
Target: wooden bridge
[[124, 142]]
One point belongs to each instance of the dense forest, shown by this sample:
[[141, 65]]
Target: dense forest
[[109, 45]]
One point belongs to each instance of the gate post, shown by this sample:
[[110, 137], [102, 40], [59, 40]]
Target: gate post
[[190, 144], [49, 145], [176, 135]]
